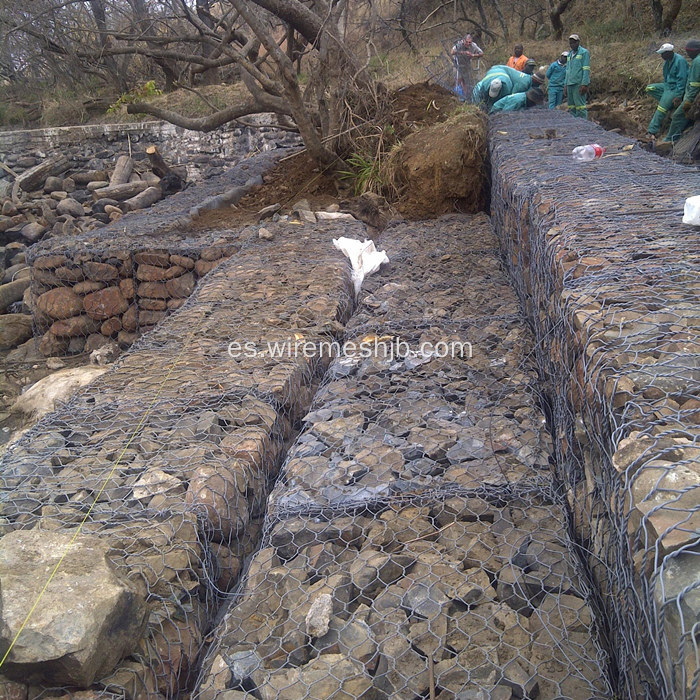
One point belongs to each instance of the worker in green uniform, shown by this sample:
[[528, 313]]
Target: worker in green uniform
[[556, 74], [675, 76], [578, 77], [494, 85], [519, 101], [679, 120], [522, 82]]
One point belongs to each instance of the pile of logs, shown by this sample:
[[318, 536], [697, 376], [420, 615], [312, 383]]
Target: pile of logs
[[49, 199]]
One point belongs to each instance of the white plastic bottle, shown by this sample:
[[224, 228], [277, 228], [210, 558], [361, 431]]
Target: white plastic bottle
[[591, 151]]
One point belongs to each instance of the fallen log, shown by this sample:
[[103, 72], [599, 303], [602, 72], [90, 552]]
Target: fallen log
[[120, 192], [34, 178], [144, 199], [158, 165], [170, 180], [122, 171]]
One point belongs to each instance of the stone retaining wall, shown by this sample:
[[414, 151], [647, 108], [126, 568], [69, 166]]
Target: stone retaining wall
[[204, 154], [414, 544], [120, 280], [609, 276]]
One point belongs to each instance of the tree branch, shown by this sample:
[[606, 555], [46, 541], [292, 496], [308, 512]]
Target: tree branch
[[212, 121]]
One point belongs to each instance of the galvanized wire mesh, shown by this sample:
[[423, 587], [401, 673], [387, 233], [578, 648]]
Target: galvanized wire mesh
[[609, 275], [167, 462], [120, 281], [415, 544]]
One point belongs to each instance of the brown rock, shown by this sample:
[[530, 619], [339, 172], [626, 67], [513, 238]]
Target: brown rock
[[105, 303], [95, 342], [126, 339], [69, 274], [88, 286], [181, 287], [10, 690], [111, 326], [100, 272], [126, 269], [212, 253], [217, 493], [130, 319], [150, 318], [50, 262], [51, 346], [75, 326], [153, 290], [152, 258], [175, 303], [153, 304], [14, 330], [128, 288], [60, 303], [153, 273], [229, 567], [202, 266], [47, 278], [182, 261]]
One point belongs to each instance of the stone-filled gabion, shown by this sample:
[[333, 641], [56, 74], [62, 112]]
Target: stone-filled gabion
[[609, 276], [168, 460], [121, 280], [415, 544]]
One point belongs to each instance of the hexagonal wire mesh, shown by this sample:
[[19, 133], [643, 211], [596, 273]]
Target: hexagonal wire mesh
[[609, 276], [415, 544]]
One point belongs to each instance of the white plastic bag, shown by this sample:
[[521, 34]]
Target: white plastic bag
[[364, 258], [691, 211]]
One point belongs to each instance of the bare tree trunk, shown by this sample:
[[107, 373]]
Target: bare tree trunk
[[208, 77], [501, 19], [670, 15], [556, 10], [657, 10], [116, 76], [482, 13], [402, 25]]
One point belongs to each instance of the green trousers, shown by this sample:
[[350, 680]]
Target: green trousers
[[679, 122], [576, 101], [665, 97]]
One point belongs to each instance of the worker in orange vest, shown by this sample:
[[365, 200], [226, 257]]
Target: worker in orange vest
[[518, 59]]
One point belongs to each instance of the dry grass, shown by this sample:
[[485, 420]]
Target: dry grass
[[189, 103]]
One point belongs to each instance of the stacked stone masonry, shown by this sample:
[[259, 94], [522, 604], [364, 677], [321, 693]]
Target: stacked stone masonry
[[609, 276], [414, 544], [119, 281]]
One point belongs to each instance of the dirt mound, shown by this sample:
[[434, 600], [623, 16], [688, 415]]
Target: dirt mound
[[421, 104], [441, 167], [295, 177]]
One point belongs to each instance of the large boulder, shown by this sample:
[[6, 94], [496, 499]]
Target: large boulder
[[87, 617], [14, 330]]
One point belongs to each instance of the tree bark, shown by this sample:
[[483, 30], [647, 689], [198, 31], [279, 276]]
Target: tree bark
[[158, 165], [122, 171], [657, 11], [143, 200], [33, 178], [670, 15], [501, 19], [120, 192], [555, 13]]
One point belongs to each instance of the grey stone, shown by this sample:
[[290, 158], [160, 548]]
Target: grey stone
[[327, 676], [319, 616], [89, 617], [71, 207]]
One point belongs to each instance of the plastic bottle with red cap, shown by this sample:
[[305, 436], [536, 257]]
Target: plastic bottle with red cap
[[591, 151]]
